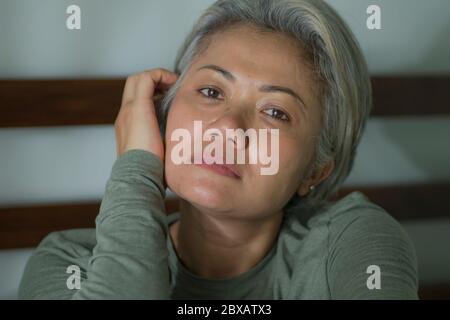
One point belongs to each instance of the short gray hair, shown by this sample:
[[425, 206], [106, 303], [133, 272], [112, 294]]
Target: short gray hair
[[336, 58]]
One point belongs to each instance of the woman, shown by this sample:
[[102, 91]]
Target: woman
[[290, 67]]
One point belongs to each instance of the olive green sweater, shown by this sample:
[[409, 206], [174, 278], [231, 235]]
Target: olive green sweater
[[351, 249]]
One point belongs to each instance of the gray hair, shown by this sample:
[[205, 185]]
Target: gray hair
[[336, 58]]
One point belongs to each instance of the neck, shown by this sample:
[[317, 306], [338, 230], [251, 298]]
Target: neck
[[215, 247]]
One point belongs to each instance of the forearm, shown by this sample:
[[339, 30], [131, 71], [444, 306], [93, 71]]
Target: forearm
[[130, 258]]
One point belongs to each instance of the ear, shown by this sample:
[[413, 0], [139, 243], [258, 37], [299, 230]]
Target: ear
[[317, 177]]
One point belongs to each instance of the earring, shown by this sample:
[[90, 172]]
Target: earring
[[311, 188]]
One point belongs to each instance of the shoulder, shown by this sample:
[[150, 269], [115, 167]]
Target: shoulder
[[356, 213], [45, 273], [356, 218], [361, 234]]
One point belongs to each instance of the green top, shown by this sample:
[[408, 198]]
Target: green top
[[129, 255]]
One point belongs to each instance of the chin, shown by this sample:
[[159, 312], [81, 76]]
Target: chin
[[206, 192], [206, 199]]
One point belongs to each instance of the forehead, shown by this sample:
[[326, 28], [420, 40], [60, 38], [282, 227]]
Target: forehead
[[265, 57]]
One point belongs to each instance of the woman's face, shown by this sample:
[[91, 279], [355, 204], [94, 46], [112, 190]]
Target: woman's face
[[254, 60]]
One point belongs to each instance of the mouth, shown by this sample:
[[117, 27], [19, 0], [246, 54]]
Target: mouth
[[227, 170], [220, 169]]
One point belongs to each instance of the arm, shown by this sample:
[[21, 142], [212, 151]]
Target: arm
[[371, 238], [129, 260]]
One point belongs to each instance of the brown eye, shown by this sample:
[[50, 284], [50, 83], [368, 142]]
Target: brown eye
[[209, 93], [277, 114]]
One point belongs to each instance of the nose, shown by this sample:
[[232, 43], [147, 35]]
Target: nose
[[232, 125]]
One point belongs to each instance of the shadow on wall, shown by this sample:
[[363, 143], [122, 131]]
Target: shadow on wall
[[424, 142], [439, 53]]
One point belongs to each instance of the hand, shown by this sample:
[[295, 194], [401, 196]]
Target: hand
[[136, 125]]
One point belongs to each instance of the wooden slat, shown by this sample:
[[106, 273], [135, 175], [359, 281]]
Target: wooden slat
[[22, 227], [34, 103], [31, 103], [408, 202], [435, 292], [26, 226], [409, 96]]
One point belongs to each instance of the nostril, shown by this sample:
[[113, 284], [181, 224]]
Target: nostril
[[240, 139], [213, 136]]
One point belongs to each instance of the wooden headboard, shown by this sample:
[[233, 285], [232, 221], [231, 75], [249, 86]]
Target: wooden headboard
[[37, 103], [97, 101]]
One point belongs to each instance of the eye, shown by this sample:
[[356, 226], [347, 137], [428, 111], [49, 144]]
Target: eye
[[209, 93], [277, 114]]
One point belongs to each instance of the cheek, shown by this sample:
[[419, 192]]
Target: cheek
[[294, 158], [291, 155], [171, 173], [181, 116], [176, 117]]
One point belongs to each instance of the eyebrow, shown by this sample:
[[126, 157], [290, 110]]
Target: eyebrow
[[264, 88]]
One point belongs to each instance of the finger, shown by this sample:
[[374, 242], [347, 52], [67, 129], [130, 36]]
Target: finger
[[129, 89], [148, 81]]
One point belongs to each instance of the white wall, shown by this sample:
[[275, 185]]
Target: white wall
[[123, 37]]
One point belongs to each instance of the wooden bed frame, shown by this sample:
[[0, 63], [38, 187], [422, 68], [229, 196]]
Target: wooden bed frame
[[37, 103]]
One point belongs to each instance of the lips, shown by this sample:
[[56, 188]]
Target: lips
[[220, 169], [229, 170]]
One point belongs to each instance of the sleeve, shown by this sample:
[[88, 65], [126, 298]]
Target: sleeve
[[130, 258], [371, 257], [45, 275]]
